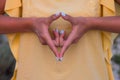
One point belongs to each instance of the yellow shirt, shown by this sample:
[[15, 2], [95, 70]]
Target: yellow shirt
[[89, 59]]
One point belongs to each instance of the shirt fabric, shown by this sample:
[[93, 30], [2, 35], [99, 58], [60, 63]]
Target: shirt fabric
[[89, 59]]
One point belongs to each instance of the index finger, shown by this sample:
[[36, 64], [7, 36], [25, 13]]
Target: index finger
[[51, 45], [53, 17], [67, 43]]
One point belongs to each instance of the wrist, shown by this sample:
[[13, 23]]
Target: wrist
[[23, 24], [91, 23], [29, 23]]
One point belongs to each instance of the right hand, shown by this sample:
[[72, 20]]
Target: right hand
[[40, 27]]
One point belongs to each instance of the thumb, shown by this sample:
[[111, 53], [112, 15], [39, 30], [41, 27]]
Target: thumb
[[67, 17], [53, 17]]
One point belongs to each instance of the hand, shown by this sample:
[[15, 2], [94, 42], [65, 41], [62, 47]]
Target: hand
[[40, 27], [80, 25]]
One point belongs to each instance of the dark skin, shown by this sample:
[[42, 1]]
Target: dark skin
[[2, 5], [40, 26], [37, 25], [80, 25]]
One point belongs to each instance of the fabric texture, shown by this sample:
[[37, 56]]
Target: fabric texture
[[90, 56]]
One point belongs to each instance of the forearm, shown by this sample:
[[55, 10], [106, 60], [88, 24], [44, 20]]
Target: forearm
[[111, 24], [13, 25]]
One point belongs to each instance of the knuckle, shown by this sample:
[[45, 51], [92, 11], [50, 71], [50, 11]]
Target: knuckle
[[75, 21]]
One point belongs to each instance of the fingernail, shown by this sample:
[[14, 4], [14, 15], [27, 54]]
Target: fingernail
[[62, 32], [57, 13], [63, 14], [57, 30], [57, 58], [60, 59]]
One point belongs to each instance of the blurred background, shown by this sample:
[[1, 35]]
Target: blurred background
[[116, 58], [7, 61]]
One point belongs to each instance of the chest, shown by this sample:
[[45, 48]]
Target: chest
[[72, 7]]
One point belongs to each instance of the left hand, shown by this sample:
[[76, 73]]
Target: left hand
[[80, 25]]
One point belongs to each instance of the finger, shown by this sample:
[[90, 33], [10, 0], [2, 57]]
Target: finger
[[55, 43], [62, 36], [67, 17], [56, 35], [51, 44], [53, 17], [62, 33], [67, 43]]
